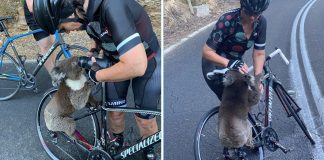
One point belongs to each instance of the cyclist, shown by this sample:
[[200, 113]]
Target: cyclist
[[235, 32], [44, 40], [129, 28]]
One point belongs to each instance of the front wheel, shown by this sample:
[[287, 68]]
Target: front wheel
[[10, 77], [59, 145], [207, 145]]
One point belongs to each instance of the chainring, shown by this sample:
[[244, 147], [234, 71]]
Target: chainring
[[98, 154], [31, 81], [270, 136]]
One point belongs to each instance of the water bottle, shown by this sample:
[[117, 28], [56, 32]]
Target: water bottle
[[85, 62]]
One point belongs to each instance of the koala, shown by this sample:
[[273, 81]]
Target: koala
[[241, 92], [73, 93]]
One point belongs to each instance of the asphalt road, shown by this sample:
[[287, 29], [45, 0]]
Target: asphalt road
[[18, 123], [187, 96]]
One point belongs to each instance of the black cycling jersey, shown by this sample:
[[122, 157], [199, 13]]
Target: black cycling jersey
[[117, 26], [228, 38], [125, 21]]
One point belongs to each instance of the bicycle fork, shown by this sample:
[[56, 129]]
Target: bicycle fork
[[269, 135]]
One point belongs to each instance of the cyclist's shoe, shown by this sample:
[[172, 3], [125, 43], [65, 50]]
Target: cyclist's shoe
[[116, 144], [149, 154]]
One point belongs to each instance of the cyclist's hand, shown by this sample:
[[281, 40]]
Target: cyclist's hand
[[95, 66], [92, 76], [261, 88], [93, 52], [238, 65], [244, 69], [89, 54]]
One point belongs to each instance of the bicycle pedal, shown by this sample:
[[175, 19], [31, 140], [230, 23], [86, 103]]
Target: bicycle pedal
[[281, 147]]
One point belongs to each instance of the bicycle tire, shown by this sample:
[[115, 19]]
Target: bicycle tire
[[216, 152], [71, 48], [10, 83], [63, 147], [293, 112]]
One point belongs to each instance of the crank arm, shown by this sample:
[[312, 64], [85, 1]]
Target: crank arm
[[283, 149]]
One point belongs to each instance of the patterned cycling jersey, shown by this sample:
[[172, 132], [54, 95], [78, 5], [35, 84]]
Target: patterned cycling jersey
[[228, 38], [126, 23]]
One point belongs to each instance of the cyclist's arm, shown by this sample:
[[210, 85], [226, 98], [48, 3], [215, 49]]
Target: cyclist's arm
[[30, 5], [120, 24], [214, 41], [258, 60], [211, 55], [131, 64], [259, 46]]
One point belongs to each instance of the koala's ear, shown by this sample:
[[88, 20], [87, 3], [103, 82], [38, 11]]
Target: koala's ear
[[228, 79], [57, 75], [249, 80]]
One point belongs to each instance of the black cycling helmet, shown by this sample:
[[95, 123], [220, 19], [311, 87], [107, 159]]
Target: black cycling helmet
[[48, 13], [255, 6]]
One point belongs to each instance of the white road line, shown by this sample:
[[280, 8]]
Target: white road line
[[172, 47], [295, 75], [308, 67]]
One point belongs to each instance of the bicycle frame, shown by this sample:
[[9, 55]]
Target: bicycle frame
[[58, 42], [102, 134]]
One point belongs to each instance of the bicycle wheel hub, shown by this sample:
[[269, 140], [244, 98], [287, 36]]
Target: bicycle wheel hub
[[269, 137], [98, 154]]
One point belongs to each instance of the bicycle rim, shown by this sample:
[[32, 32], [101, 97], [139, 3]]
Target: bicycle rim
[[63, 147], [206, 143], [75, 50], [10, 77], [289, 101]]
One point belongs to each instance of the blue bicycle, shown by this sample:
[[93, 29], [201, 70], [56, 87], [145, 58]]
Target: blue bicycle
[[13, 74]]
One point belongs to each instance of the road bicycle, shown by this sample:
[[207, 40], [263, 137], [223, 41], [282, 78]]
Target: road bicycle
[[94, 141], [206, 143], [13, 73]]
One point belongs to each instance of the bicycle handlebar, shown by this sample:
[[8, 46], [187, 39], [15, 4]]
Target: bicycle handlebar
[[270, 56]]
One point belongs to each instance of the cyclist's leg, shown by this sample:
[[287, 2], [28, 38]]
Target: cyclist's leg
[[147, 90], [44, 44], [43, 39], [216, 85], [116, 97]]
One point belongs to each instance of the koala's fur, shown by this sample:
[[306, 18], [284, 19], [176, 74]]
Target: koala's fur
[[73, 94], [241, 92]]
